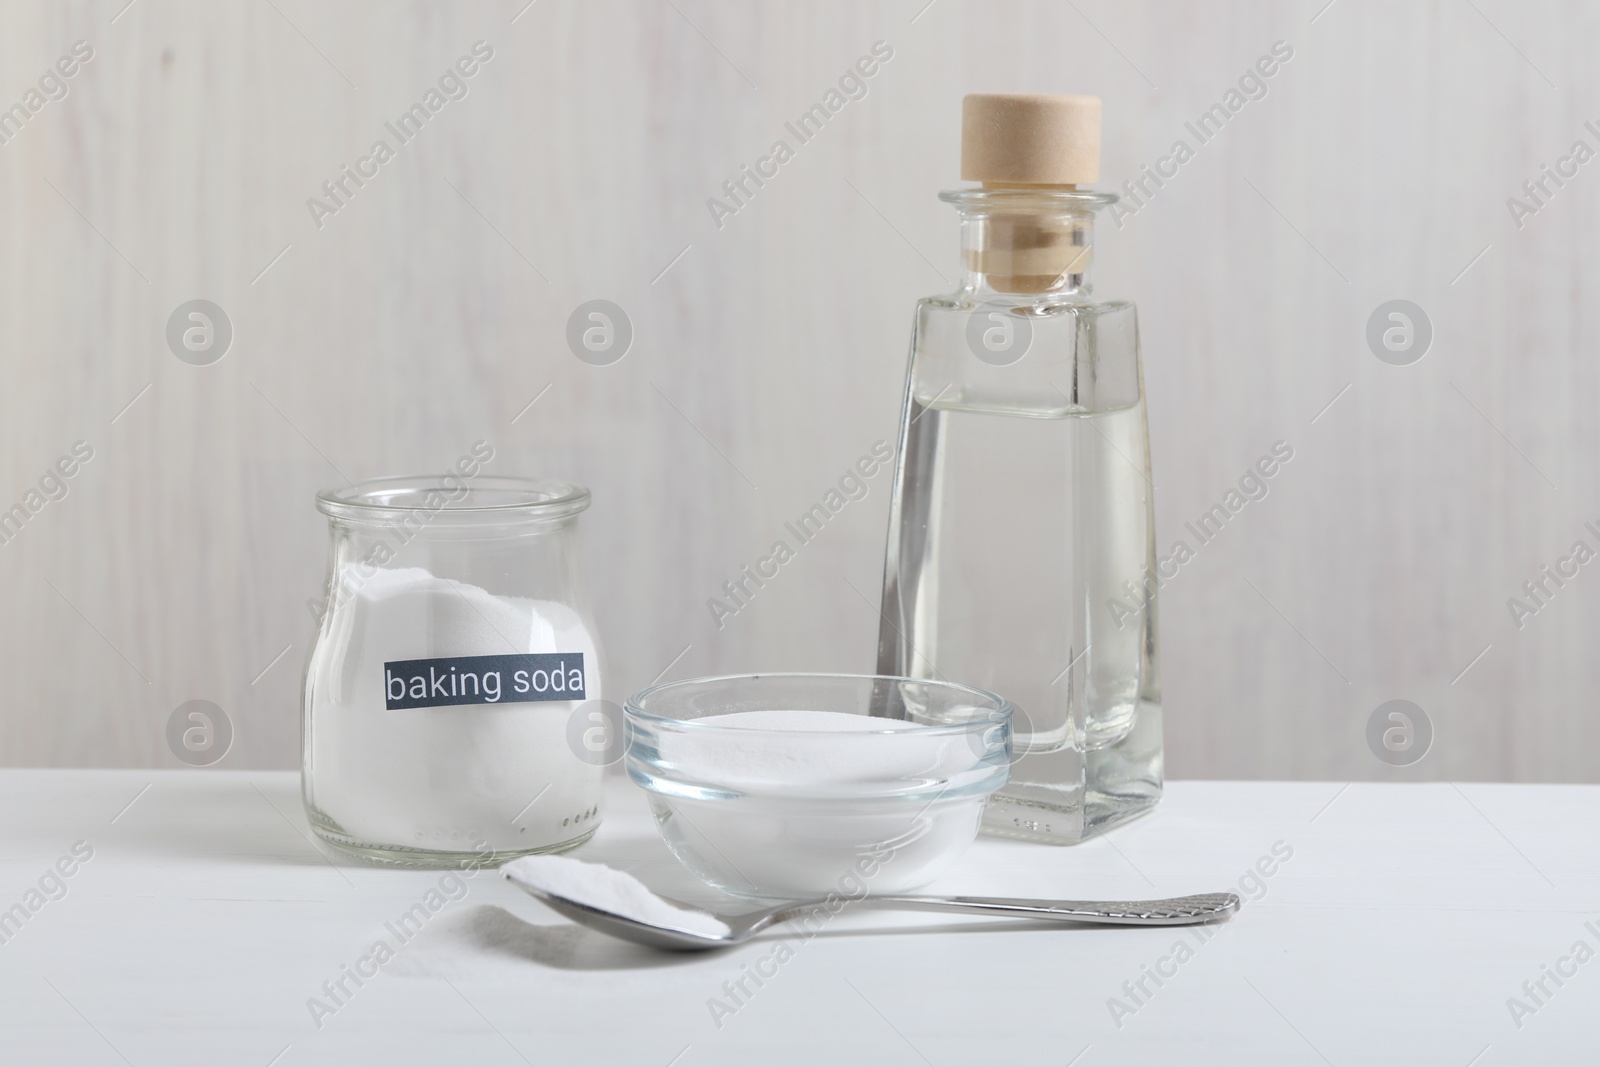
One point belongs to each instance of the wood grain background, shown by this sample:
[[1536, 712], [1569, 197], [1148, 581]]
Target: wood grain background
[[769, 352]]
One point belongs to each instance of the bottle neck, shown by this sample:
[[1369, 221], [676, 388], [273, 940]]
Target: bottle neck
[[1029, 241]]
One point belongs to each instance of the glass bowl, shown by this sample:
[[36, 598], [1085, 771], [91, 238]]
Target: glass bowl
[[760, 793]]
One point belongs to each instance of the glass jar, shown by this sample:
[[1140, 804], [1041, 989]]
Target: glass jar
[[455, 650]]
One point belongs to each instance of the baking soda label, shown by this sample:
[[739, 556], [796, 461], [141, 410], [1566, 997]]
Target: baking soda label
[[520, 679]]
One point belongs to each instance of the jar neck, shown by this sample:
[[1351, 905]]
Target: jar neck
[[1027, 241]]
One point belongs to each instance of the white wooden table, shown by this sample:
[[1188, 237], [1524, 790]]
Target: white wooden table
[[1396, 930]]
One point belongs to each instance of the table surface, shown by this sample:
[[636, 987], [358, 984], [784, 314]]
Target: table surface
[[1393, 924]]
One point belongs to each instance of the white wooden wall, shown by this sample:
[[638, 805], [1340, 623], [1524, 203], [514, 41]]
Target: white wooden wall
[[430, 310]]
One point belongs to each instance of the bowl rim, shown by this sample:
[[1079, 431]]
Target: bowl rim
[[1001, 714]]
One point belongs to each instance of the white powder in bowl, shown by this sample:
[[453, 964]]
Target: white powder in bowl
[[608, 889], [825, 801], [815, 752], [451, 778], [808, 721]]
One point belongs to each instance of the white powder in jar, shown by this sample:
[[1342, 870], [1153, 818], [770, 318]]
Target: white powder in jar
[[451, 778], [608, 889]]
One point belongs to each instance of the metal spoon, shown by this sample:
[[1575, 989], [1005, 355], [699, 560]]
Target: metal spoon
[[1176, 911]]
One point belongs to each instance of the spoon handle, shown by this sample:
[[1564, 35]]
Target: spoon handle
[[1174, 911]]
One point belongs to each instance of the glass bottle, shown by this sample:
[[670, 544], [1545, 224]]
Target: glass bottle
[[452, 694], [1021, 545]]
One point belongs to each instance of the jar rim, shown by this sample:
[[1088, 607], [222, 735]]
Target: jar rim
[[492, 497]]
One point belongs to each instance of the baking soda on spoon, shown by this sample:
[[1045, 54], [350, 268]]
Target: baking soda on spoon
[[607, 889]]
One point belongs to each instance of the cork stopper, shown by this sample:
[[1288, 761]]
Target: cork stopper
[[1030, 139]]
